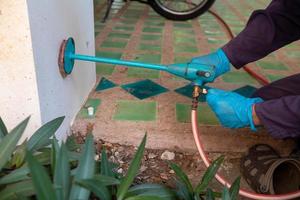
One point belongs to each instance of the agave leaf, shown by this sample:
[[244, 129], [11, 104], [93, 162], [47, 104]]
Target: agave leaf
[[105, 180], [18, 157], [62, 174], [41, 137], [210, 194], [43, 158], [209, 175], [141, 197], [151, 190], [41, 180], [72, 144], [3, 129], [105, 165], [182, 177], [85, 170], [226, 194], [182, 191], [234, 189], [16, 175], [12, 191], [9, 142], [55, 149], [99, 189], [132, 170]]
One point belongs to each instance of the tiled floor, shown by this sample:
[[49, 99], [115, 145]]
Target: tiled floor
[[136, 32]]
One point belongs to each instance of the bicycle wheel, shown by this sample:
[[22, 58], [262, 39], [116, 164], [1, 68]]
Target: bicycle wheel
[[180, 9]]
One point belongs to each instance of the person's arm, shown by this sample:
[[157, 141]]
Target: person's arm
[[266, 31], [280, 116]]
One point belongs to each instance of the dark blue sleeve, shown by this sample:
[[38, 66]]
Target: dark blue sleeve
[[266, 31], [281, 117]]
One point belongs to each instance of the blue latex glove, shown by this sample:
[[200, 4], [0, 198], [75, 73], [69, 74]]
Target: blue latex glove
[[232, 109], [217, 59]]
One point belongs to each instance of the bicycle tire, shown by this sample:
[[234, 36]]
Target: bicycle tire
[[177, 15]]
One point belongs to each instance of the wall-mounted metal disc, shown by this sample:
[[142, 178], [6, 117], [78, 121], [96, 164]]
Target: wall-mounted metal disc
[[65, 60]]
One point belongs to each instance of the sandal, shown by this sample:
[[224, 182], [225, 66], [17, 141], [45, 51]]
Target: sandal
[[266, 172]]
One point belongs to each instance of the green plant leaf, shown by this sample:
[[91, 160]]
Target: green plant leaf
[[23, 188], [209, 175], [225, 194], [41, 181], [43, 158], [62, 174], [96, 187], [18, 157], [234, 189], [105, 180], [182, 177], [9, 142], [3, 129], [72, 144], [105, 168], [182, 191], [54, 154], [210, 194], [132, 170], [85, 169], [41, 137], [16, 175], [141, 197], [151, 190]]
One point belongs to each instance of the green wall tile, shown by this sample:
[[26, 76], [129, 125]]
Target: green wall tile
[[238, 77], [185, 48], [83, 113], [205, 115], [135, 111], [149, 58], [124, 28], [142, 73], [185, 40], [114, 44], [104, 69], [119, 35], [152, 30], [149, 47], [181, 59], [154, 23], [182, 25], [273, 77], [116, 55], [151, 37], [271, 65]]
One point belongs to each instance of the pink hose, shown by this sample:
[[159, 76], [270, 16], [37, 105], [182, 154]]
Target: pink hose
[[222, 180]]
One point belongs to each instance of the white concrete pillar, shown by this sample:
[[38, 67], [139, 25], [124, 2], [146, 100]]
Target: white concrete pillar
[[30, 83]]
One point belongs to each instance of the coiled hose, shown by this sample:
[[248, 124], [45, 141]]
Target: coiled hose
[[199, 144]]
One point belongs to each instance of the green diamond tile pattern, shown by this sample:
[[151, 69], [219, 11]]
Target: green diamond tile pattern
[[152, 30], [188, 92], [135, 111], [271, 65], [205, 115], [108, 54], [124, 28], [144, 89], [83, 113], [246, 91], [105, 84], [238, 77]]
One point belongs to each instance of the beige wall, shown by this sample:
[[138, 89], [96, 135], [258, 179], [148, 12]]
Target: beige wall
[[18, 88]]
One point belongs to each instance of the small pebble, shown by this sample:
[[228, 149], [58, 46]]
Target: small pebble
[[167, 155], [151, 155]]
